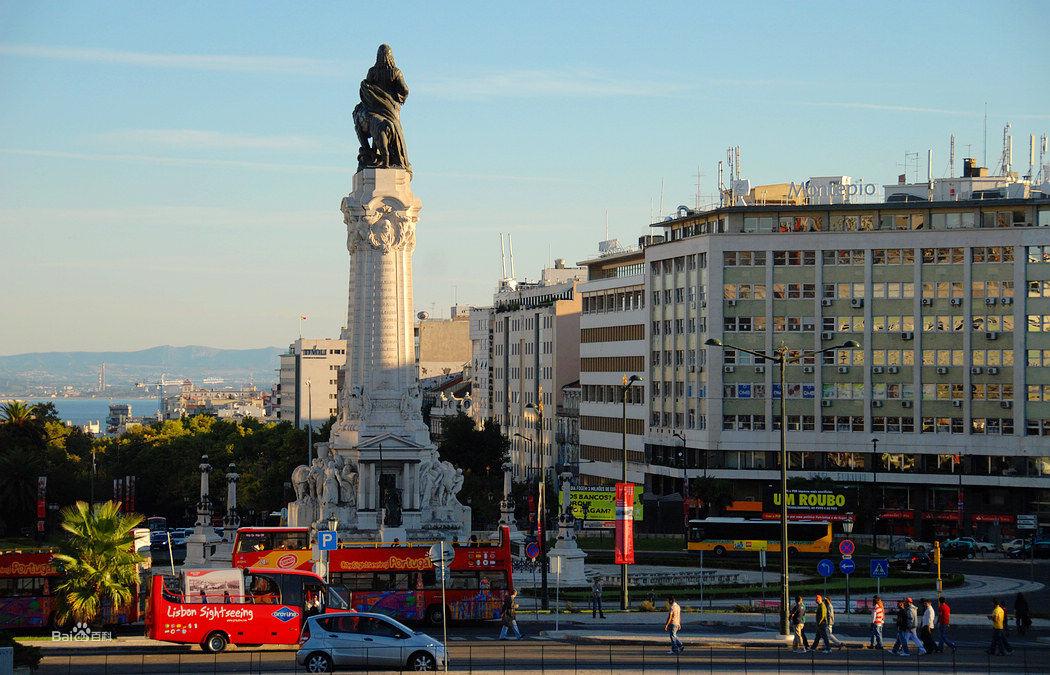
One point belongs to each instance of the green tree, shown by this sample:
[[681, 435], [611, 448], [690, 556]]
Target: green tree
[[481, 454], [101, 565]]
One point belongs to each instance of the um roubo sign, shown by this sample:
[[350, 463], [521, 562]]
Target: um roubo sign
[[817, 501]]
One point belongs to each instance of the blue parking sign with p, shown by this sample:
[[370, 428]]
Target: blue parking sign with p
[[327, 540]]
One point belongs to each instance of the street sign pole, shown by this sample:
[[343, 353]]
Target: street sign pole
[[444, 607], [701, 581]]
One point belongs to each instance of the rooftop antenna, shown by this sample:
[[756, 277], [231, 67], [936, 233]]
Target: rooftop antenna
[[736, 161], [510, 246], [503, 259], [660, 213], [985, 162], [1007, 159], [929, 174], [1042, 155], [651, 218], [951, 157], [606, 224], [698, 175], [721, 189], [1031, 157]]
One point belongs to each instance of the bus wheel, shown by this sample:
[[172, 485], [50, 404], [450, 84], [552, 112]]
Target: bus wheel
[[434, 615], [720, 551], [792, 551], [215, 643], [319, 662], [421, 661]]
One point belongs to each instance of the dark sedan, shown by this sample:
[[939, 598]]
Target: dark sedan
[[911, 561]]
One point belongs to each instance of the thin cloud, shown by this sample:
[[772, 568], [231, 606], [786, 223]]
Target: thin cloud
[[220, 62], [540, 83], [213, 140], [175, 161], [858, 105]]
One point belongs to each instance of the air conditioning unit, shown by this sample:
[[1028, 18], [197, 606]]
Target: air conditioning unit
[[760, 369], [956, 302], [927, 302], [876, 404], [906, 404], [843, 369], [729, 369], [993, 371], [827, 335], [877, 370], [807, 369], [989, 301], [856, 303], [941, 370], [907, 335], [827, 302], [731, 303], [976, 370], [1008, 301], [825, 404], [991, 335], [894, 369], [1006, 405], [956, 404]]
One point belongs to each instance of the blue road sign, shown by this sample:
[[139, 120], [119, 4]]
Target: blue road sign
[[327, 540], [847, 565], [825, 568], [879, 568], [532, 550]]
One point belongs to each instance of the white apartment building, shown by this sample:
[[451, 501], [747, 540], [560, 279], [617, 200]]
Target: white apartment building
[[481, 363], [535, 350], [941, 416], [309, 381], [612, 347]]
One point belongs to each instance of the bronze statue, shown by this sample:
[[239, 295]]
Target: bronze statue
[[378, 115]]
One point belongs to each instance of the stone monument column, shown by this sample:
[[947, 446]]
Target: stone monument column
[[197, 549], [232, 520], [567, 558]]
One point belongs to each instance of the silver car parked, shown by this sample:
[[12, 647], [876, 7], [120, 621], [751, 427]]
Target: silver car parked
[[374, 641]]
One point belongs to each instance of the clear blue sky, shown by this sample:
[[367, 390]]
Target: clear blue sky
[[170, 173]]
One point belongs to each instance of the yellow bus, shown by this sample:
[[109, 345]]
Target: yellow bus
[[728, 535]]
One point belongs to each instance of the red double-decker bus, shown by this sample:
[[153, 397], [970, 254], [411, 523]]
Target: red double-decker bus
[[399, 580], [286, 548], [27, 592], [216, 608]]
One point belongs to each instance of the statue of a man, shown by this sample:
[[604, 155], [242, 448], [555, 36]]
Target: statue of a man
[[348, 479], [378, 115]]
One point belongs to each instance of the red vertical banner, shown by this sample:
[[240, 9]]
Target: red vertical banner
[[624, 554], [130, 504], [41, 503]]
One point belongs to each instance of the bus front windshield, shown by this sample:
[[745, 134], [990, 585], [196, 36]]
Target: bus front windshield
[[248, 542]]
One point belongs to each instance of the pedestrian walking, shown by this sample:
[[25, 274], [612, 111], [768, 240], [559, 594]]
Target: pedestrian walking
[[913, 625], [878, 617], [509, 617], [821, 615], [900, 618], [926, 625], [831, 626], [674, 624], [1022, 614], [799, 643], [596, 598], [999, 645], [944, 622]]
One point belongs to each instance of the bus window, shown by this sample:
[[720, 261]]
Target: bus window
[[496, 581], [353, 581], [292, 541], [263, 590], [463, 580]]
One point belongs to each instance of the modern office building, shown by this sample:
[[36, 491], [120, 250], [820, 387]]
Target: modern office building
[[940, 421], [309, 380], [613, 347], [481, 363], [534, 352]]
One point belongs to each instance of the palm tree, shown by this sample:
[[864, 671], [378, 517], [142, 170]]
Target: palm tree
[[101, 565], [18, 414]]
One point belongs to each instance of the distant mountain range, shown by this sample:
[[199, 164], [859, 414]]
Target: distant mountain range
[[27, 372]]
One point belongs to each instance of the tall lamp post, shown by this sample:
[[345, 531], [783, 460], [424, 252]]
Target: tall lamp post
[[782, 359], [624, 389], [310, 423], [536, 411], [685, 487]]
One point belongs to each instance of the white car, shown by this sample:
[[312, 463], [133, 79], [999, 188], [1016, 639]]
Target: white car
[[1012, 545], [981, 546], [909, 544]]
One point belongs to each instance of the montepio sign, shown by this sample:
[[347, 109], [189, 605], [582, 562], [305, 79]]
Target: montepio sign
[[816, 502]]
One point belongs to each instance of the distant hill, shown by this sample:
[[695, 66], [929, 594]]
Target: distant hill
[[20, 372]]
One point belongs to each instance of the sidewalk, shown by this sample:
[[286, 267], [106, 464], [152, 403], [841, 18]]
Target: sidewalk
[[615, 619]]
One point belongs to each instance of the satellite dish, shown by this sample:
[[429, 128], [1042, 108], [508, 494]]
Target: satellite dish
[[422, 316]]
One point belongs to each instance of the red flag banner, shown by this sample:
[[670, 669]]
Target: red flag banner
[[624, 554]]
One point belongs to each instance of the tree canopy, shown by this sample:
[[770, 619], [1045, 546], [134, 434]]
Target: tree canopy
[[481, 454]]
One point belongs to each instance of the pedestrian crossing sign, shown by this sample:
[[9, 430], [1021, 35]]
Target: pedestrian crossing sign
[[880, 568]]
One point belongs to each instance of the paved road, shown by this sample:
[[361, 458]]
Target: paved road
[[535, 656]]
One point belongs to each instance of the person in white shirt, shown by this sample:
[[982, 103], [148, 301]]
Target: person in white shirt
[[674, 624], [926, 624]]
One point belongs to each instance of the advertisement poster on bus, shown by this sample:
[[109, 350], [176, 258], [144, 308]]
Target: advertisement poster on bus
[[625, 495], [595, 506], [214, 586]]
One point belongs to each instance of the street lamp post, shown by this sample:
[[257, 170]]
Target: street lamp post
[[781, 358], [685, 487], [310, 423], [626, 387], [541, 506]]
